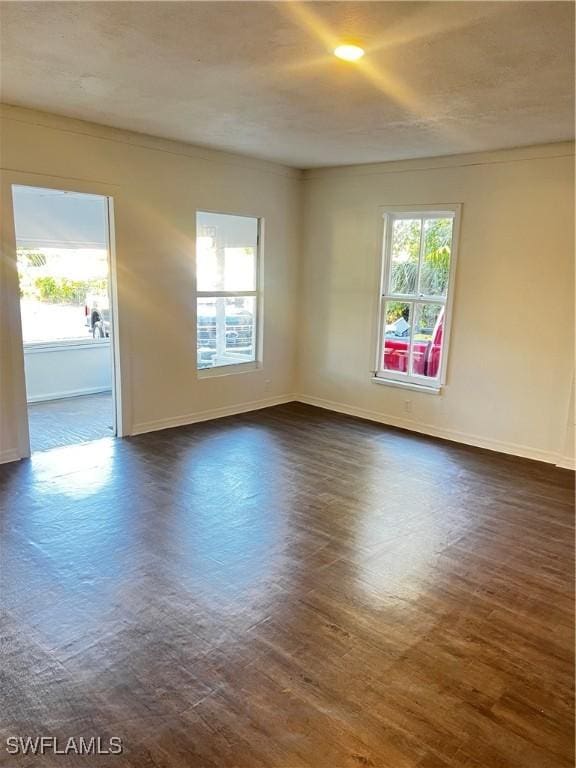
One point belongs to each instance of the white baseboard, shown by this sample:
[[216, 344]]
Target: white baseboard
[[514, 449], [477, 441], [10, 454], [214, 413], [70, 393]]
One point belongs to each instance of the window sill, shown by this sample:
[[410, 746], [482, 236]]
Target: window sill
[[430, 390], [228, 370]]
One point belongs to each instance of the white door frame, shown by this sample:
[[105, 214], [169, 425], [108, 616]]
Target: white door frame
[[10, 294]]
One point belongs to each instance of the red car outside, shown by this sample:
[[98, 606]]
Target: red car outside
[[426, 356]]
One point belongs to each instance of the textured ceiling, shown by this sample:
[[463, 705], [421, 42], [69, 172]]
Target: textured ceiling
[[258, 77]]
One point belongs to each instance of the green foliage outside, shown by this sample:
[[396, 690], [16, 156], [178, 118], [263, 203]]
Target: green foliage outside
[[64, 291], [435, 266], [53, 290]]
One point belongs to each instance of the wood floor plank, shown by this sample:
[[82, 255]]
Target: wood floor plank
[[289, 588]]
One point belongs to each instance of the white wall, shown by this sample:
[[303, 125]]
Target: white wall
[[67, 370], [511, 359], [157, 187]]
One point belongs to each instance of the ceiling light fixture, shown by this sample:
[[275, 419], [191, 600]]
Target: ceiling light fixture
[[349, 52]]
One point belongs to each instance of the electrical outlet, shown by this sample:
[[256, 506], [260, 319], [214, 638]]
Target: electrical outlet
[[407, 406], [267, 384]]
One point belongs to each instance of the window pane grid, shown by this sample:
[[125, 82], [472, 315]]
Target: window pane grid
[[227, 289], [414, 296], [415, 266], [412, 338]]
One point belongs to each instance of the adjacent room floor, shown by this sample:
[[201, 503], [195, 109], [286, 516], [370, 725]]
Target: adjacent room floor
[[290, 588], [70, 420]]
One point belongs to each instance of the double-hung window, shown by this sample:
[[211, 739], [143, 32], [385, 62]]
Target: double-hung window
[[418, 260], [227, 290]]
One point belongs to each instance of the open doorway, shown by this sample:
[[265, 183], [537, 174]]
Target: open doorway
[[64, 270]]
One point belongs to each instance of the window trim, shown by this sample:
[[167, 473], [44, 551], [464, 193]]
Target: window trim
[[250, 365], [227, 370], [386, 214]]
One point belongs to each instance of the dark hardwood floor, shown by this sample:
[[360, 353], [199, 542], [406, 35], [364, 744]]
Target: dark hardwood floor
[[289, 588]]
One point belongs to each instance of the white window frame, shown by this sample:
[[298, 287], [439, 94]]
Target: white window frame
[[233, 368], [388, 215]]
